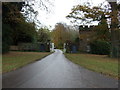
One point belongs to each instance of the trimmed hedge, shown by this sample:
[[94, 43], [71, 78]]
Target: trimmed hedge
[[100, 47], [41, 47]]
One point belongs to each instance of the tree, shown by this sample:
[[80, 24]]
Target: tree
[[6, 38], [59, 35], [102, 30], [30, 12], [11, 13], [115, 32], [18, 29], [25, 34], [87, 14], [17, 15], [11, 16], [90, 14], [63, 34], [43, 35]]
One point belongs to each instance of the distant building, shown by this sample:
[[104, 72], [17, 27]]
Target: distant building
[[71, 47], [85, 36]]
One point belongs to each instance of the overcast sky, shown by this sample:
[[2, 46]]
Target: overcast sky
[[59, 11]]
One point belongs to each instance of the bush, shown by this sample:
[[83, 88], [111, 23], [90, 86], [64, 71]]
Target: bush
[[100, 47]]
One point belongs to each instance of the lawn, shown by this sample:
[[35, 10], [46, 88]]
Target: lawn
[[15, 60], [98, 63]]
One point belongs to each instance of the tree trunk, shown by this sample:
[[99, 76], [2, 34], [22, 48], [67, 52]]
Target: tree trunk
[[114, 30]]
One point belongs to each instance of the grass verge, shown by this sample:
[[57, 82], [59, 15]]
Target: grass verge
[[97, 63], [15, 60]]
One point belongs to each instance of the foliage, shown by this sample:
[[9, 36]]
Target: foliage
[[43, 35], [19, 30], [100, 47], [11, 13], [63, 33], [11, 16], [6, 39], [59, 35], [24, 32], [87, 14], [102, 30]]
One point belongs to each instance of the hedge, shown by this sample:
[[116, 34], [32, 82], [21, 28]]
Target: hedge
[[100, 47]]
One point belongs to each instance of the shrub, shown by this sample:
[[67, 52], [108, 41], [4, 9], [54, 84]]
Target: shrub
[[100, 47]]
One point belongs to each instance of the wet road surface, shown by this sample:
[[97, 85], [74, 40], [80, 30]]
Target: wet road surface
[[55, 71]]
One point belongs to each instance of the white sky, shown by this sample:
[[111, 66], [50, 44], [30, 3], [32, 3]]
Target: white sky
[[60, 9]]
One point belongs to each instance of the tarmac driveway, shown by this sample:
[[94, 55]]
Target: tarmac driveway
[[55, 71]]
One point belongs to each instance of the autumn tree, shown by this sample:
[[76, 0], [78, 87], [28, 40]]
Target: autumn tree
[[87, 14], [63, 34], [59, 35], [84, 14], [102, 30]]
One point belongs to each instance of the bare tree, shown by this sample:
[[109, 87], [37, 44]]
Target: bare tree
[[29, 11]]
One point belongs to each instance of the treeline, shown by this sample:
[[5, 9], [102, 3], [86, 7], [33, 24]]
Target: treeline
[[16, 29], [62, 34]]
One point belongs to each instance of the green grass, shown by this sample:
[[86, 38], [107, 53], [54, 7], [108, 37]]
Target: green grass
[[15, 60], [97, 63]]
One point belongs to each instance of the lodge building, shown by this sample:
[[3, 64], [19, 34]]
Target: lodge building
[[85, 36]]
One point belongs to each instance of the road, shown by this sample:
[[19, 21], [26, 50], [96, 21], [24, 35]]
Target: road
[[55, 71]]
